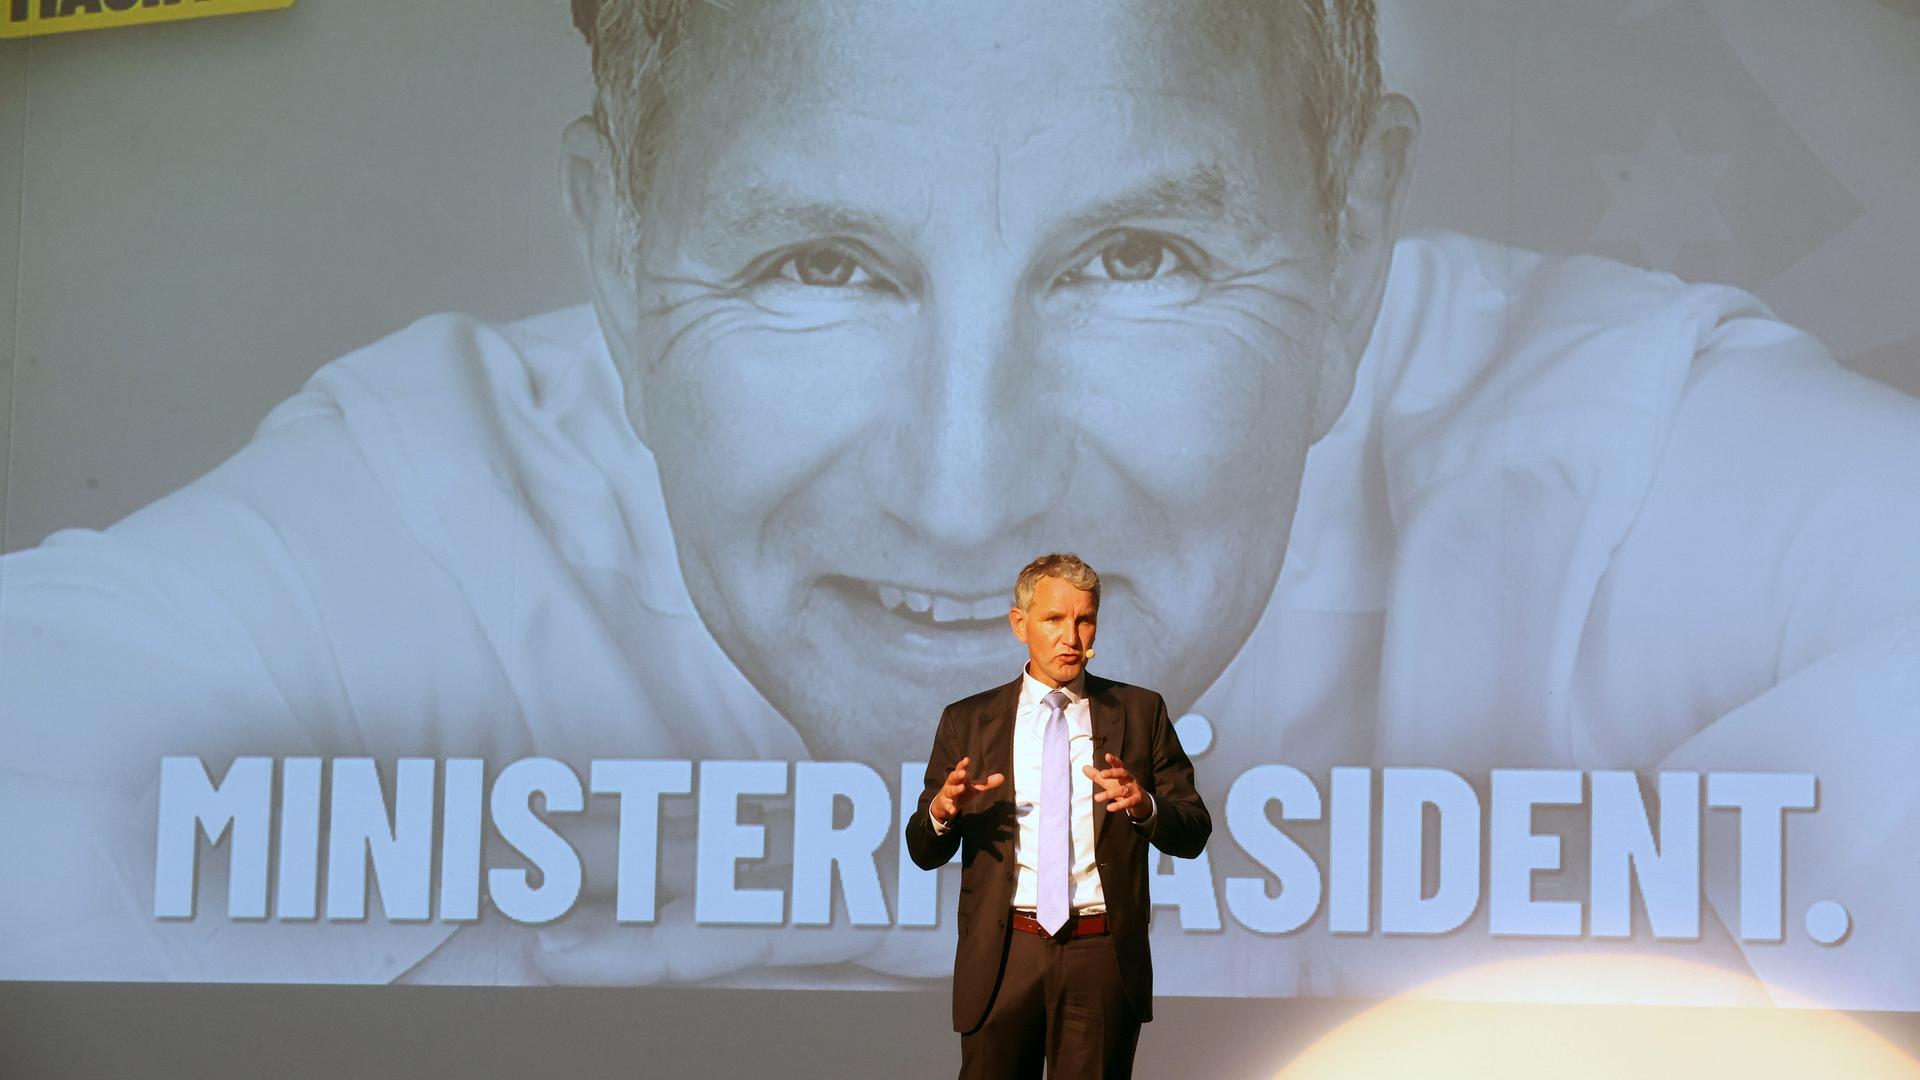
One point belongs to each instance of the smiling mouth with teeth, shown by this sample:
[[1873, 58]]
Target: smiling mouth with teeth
[[940, 607]]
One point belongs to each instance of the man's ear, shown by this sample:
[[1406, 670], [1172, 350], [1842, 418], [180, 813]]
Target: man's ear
[[602, 228], [1376, 197], [1018, 620]]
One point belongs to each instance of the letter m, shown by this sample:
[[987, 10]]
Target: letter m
[[190, 803]]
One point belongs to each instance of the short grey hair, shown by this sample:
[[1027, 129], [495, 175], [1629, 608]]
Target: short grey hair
[[1064, 565], [635, 41]]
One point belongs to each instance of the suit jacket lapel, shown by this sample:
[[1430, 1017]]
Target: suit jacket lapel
[[996, 737], [1109, 737]]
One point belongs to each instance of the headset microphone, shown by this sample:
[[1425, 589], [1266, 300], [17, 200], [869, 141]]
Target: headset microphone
[[1089, 654]]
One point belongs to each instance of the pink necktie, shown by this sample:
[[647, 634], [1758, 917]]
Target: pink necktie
[[1055, 864]]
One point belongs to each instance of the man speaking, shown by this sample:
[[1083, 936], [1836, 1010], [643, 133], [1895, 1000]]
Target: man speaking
[[1052, 964]]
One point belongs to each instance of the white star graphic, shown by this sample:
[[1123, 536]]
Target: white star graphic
[[1662, 197]]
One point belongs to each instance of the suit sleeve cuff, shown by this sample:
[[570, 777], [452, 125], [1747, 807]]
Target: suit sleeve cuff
[[1153, 810], [939, 827]]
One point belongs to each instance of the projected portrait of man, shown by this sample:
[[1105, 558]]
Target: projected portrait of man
[[886, 296], [843, 314]]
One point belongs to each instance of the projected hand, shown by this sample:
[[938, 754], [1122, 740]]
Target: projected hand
[[958, 792], [677, 950], [591, 948], [1118, 789]]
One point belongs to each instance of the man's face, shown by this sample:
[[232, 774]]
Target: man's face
[[1057, 627], [928, 287]]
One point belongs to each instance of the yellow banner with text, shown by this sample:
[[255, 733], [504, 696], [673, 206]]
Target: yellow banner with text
[[32, 18]]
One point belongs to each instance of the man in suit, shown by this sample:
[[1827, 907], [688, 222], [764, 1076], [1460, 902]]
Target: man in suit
[[1052, 964]]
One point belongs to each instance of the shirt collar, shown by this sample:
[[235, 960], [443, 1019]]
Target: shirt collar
[[1032, 689]]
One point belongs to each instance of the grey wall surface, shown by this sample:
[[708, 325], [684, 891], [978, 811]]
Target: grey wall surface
[[205, 212]]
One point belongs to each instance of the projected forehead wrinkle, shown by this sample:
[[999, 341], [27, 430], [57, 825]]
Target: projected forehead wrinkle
[[1203, 194], [760, 215], [763, 215]]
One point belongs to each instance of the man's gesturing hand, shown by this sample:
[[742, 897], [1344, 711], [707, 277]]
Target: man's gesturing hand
[[957, 792], [1119, 790]]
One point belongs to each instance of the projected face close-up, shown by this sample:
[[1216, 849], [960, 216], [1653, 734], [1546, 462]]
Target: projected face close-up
[[940, 287]]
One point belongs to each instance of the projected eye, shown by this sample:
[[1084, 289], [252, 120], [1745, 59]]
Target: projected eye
[[824, 266], [1130, 256]]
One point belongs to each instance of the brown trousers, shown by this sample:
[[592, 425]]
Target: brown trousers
[[1059, 1003]]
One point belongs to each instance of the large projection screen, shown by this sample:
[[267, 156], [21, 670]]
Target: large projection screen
[[497, 494]]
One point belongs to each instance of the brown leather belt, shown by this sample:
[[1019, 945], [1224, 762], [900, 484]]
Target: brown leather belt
[[1078, 926]]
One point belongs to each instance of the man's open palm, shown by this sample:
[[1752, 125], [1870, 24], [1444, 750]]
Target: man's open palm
[[958, 791]]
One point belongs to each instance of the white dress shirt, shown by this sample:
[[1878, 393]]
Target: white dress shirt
[[1029, 742]]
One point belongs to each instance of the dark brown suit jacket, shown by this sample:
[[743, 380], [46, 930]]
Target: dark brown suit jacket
[[1128, 722]]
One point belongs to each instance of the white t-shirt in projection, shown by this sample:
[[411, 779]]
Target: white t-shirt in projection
[[1576, 515]]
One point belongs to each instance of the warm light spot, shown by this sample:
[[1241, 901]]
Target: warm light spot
[[1517, 1019]]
